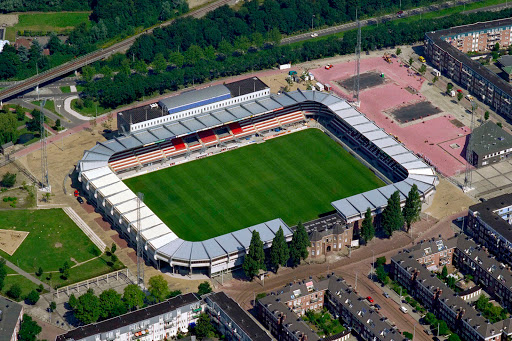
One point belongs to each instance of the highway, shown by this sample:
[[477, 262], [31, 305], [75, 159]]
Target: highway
[[385, 18], [92, 57]]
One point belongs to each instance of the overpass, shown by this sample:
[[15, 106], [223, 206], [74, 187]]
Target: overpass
[[92, 57]]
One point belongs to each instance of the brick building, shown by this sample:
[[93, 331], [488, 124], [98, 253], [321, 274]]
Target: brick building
[[11, 315], [280, 312], [446, 51], [325, 241]]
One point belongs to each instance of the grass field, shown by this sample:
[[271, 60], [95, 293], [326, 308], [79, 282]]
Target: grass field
[[55, 22], [53, 239], [91, 112], [294, 177]]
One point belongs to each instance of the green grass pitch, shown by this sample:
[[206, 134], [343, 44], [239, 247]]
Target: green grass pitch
[[294, 177]]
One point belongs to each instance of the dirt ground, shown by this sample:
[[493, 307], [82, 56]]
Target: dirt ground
[[448, 200], [10, 240], [278, 82], [8, 19]]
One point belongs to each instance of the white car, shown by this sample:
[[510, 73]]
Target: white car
[[314, 35]]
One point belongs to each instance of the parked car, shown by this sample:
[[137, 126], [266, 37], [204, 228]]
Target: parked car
[[314, 35], [378, 306], [400, 14], [80, 200], [76, 193], [386, 295], [370, 299], [404, 309]]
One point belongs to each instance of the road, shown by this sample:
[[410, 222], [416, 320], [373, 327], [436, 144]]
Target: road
[[385, 18], [92, 57]]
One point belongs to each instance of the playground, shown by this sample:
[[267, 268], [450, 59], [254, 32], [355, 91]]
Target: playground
[[427, 130]]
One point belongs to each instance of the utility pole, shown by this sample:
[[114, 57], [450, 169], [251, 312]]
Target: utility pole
[[358, 63], [45, 182], [312, 17], [355, 287], [373, 262]]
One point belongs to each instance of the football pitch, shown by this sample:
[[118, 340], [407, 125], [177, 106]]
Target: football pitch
[[294, 177]]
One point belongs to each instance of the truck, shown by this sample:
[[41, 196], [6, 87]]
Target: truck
[[328, 87], [319, 86]]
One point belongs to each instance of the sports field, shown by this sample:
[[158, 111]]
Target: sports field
[[294, 177]]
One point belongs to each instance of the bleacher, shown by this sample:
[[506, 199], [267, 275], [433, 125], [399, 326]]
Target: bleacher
[[156, 152], [208, 137]]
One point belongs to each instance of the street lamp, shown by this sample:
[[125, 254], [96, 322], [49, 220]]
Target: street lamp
[[373, 262], [312, 22]]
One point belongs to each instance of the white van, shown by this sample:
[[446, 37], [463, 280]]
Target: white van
[[403, 309]]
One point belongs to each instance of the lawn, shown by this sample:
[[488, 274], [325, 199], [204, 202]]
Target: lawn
[[65, 89], [25, 284], [54, 22], [294, 177], [91, 111], [48, 105], [53, 239]]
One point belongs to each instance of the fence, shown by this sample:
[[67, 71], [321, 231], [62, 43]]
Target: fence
[[85, 228]]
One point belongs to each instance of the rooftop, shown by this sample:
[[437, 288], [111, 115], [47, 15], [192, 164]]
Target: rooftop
[[194, 96], [487, 213], [141, 114], [245, 86], [10, 312], [239, 316], [129, 318], [438, 38], [490, 138]]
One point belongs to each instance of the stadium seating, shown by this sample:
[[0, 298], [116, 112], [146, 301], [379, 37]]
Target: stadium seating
[[265, 122], [178, 143], [235, 128], [128, 162], [208, 137], [290, 118], [242, 129]]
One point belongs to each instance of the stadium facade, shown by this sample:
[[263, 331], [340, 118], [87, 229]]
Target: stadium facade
[[446, 51], [221, 130]]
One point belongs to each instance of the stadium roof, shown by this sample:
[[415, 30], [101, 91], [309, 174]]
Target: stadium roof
[[489, 138], [245, 86], [194, 96], [159, 237]]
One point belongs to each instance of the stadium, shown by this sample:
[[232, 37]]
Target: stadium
[[211, 123]]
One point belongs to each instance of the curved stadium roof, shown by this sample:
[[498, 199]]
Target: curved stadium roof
[[94, 169]]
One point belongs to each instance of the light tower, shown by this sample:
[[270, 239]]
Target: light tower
[[468, 175], [45, 182], [358, 63], [140, 246]]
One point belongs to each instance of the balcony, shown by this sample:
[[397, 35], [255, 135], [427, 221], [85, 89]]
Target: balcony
[[139, 334]]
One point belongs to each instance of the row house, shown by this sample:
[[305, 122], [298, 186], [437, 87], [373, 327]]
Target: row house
[[156, 322]]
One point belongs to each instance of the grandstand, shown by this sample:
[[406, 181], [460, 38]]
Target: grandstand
[[219, 131]]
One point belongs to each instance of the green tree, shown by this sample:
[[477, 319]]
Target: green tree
[[449, 88], [133, 297], [380, 261], [443, 327], [3, 272], [408, 335], [176, 59], [158, 288], [412, 207], [496, 47], [87, 309], [204, 327], [299, 245], [411, 61], [88, 73], [193, 55], [486, 115], [444, 272], [65, 270], [14, 291], [367, 229], [204, 288], [57, 123], [435, 79], [33, 297], [382, 275], [159, 63], [8, 128], [254, 260], [499, 124], [72, 301], [430, 319], [111, 304], [8, 179], [113, 249], [392, 218], [52, 306], [29, 329], [423, 69], [398, 51], [274, 36], [279, 254], [454, 337], [460, 96]]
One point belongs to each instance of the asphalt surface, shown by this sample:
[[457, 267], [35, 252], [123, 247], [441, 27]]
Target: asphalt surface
[[385, 18]]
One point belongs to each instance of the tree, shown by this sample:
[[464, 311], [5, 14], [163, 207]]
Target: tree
[[159, 63], [382, 275], [72, 301], [449, 88], [460, 96], [176, 59], [158, 288], [454, 337], [14, 291], [87, 309], [398, 51], [111, 304], [444, 272], [380, 261], [443, 327], [367, 229], [435, 79], [39, 272], [423, 69], [412, 207], [57, 123], [274, 36], [204, 327], [486, 115], [65, 270], [408, 335], [499, 124], [204, 288], [430, 319], [496, 47], [29, 329], [166, 11], [392, 218], [88, 73], [33, 297], [254, 260], [113, 249], [133, 297], [52, 306], [279, 254], [8, 180], [411, 61]]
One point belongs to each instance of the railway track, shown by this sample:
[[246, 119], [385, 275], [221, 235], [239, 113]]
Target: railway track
[[92, 57]]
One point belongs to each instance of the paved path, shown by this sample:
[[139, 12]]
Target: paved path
[[67, 108], [27, 275]]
